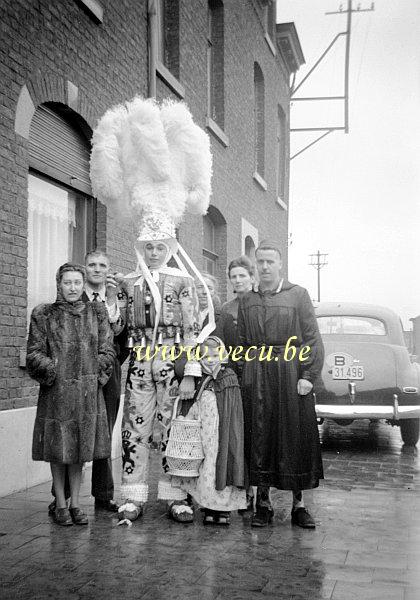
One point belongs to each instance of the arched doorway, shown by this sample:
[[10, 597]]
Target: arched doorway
[[61, 210]]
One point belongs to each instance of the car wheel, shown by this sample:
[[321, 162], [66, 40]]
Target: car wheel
[[344, 422], [410, 429]]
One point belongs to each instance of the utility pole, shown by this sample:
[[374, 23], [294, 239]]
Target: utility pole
[[318, 261], [346, 67], [324, 131]]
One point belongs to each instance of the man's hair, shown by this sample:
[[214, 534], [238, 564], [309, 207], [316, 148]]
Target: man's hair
[[244, 262], [211, 278], [268, 245], [96, 252]]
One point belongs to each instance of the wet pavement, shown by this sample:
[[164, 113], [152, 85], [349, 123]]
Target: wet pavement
[[366, 545]]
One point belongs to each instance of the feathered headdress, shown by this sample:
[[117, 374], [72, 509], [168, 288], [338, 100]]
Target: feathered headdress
[[151, 162]]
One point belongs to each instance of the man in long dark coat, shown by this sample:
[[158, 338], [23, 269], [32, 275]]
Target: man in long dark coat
[[282, 447]]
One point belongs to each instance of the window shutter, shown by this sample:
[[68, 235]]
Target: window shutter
[[58, 150]]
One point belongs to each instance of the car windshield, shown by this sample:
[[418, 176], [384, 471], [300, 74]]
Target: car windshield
[[349, 325]]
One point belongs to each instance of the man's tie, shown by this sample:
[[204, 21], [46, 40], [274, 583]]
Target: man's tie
[[95, 296]]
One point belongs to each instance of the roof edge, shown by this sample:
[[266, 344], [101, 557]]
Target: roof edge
[[289, 46]]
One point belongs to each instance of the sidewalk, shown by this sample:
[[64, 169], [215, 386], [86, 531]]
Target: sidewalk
[[366, 545]]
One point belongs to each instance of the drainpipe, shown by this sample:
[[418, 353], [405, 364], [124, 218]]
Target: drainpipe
[[152, 45]]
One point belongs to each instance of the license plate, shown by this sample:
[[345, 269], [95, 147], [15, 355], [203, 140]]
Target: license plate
[[348, 372]]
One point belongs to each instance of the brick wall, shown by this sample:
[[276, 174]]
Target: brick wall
[[44, 45]]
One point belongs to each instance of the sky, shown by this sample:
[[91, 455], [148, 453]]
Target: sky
[[356, 196]]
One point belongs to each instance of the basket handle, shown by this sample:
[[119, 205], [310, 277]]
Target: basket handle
[[175, 408]]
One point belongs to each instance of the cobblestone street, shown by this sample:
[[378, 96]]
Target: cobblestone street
[[366, 545]]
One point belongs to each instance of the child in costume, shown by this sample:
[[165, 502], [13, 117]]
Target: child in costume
[[220, 486], [153, 162]]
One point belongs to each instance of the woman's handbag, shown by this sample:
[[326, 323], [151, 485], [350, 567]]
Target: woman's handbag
[[184, 451]]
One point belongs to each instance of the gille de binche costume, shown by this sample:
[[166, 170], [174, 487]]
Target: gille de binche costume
[[154, 162]]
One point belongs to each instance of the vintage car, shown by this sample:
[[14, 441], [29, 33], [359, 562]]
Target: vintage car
[[368, 372]]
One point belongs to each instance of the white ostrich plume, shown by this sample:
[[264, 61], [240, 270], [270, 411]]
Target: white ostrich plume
[[148, 159]]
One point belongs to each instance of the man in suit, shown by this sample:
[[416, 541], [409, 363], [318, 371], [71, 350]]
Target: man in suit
[[101, 286]]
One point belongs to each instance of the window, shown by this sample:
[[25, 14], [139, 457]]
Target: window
[[209, 246], [281, 152], [61, 211], [58, 220], [215, 62], [349, 325], [215, 247], [259, 120], [250, 248], [168, 35]]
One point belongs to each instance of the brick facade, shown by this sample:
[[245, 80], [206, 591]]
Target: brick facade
[[63, 55]]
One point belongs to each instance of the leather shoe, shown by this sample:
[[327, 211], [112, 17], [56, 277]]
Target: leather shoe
[[51, 508], [302, 518], [78, 516], [109, 505], [263, 516], [62, 517], [53, 505]]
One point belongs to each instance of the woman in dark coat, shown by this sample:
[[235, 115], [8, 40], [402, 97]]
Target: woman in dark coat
[[70, 353], [241, 276]]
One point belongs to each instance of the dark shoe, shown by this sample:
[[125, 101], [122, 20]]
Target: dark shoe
[[62, 516], [302, 518], [53, 505], [109, 505], [78, 516], [249, 506], [51, 508], [262, 517]]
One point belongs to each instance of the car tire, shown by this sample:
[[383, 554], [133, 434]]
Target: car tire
[[344, 422], [410, 429]]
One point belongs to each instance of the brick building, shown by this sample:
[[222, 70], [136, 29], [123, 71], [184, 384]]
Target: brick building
[[62, 65]]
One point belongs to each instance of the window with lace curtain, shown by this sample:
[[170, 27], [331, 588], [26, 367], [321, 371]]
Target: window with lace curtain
[[61, 211]]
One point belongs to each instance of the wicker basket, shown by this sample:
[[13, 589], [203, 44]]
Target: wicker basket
[[184, 451]]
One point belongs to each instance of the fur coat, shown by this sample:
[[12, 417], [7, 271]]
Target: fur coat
[[70, 353]]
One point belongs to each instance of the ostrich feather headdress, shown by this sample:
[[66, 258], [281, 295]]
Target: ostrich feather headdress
[[153, 162]]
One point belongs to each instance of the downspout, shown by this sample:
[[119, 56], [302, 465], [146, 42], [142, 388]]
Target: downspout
[[152, 45]]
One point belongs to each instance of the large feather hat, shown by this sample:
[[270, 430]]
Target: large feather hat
[[152, 163]]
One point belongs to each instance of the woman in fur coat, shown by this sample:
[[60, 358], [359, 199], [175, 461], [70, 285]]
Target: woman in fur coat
[[70, 353]]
